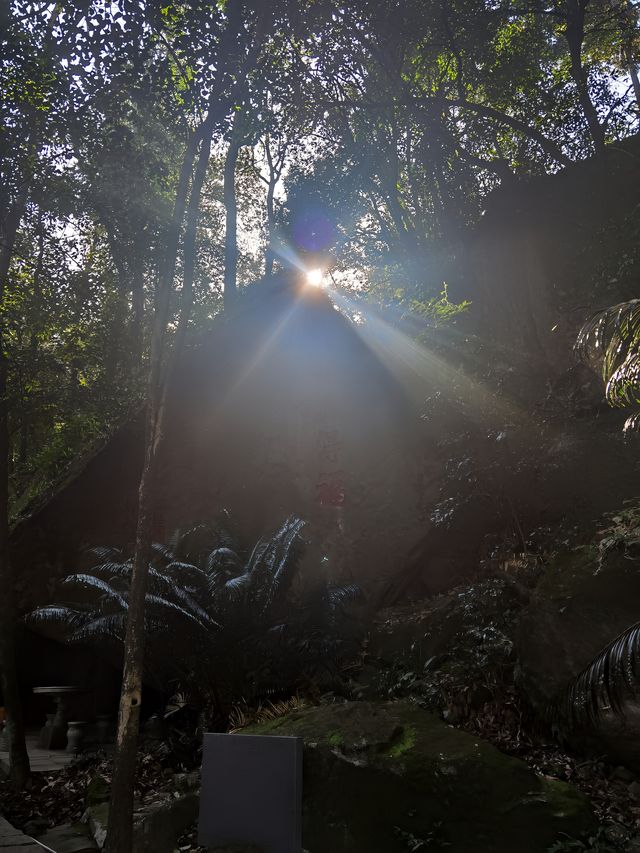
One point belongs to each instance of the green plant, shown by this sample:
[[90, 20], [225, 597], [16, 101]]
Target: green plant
[[221, 624], [605, 840], [612, 338], [622, 533]]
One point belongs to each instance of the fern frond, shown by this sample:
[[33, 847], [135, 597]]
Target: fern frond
[[604, 685], [286, 563], [612, 338], [257, 555], [67, 616], [107, 627], [165, 604], [222, 558], [105, 554], [348, 594], [632, 423], [237, 587], [166, 584], [113, 569], [94, 583], [161, 551]]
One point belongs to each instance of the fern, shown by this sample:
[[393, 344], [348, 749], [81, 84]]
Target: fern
[[612, 338], [606, 684], [218, 620]]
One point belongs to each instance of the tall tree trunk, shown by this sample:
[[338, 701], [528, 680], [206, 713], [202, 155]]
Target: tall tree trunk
[[137, 308], [120, 827], [628, 26], [231, 222], [18, 756], [275, 170], [574, 35]]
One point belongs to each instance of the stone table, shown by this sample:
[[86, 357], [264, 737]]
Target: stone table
[[53, 734]]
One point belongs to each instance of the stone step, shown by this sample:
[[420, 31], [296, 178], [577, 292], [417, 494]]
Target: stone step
[[69, 838], [14, 841]]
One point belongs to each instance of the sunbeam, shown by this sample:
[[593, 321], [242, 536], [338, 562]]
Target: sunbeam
[[421, 370]]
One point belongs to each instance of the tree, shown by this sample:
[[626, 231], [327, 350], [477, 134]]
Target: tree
[[240, 43], [25, 118]]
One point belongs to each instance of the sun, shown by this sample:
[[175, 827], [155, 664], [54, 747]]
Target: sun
[[314, 277]]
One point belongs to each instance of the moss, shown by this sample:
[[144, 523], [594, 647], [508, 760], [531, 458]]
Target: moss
[[336, 740], [265, 728], [378, 774], [402, 742], [565, 801], [98, 791]]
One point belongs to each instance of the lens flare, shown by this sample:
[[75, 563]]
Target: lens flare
[[314, 277]]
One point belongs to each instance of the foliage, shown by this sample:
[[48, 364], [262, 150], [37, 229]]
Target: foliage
[[603, 841], [612, 338], [221, 624], [404, 116], [475, 666], [611, 678], [622, 533]]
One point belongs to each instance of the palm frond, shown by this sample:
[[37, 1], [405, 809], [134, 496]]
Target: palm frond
[[113, 569], [222, 558], [164, 603], [167, 585], [161, 552], [58, 613], [257, 555], [236, 588], [105, 554], [94, 583], [110, 626], [286, 560], [338, 596], [604, 685], [274, 562], [632, 423]]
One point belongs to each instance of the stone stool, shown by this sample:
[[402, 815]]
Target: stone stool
[[75, 735]]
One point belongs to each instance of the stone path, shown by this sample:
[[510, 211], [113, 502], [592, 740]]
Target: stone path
[[42, 760], [14, 841]]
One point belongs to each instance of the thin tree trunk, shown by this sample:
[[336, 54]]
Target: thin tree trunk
[[275, 170], [18, 756], [574, 34], [120, 827], [231, 226], [137, 309], [628, 33]]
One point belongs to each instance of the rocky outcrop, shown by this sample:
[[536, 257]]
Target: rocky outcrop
[[577, 608], [580, 605], [389, 777]]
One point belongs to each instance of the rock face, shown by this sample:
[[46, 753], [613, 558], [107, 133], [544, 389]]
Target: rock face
[[579, 607], [390, 777]]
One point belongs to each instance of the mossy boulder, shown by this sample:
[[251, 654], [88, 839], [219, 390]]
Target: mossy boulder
[[390, 777]]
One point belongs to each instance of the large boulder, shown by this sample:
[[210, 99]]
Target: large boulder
[[391, 777], [583, 602]]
